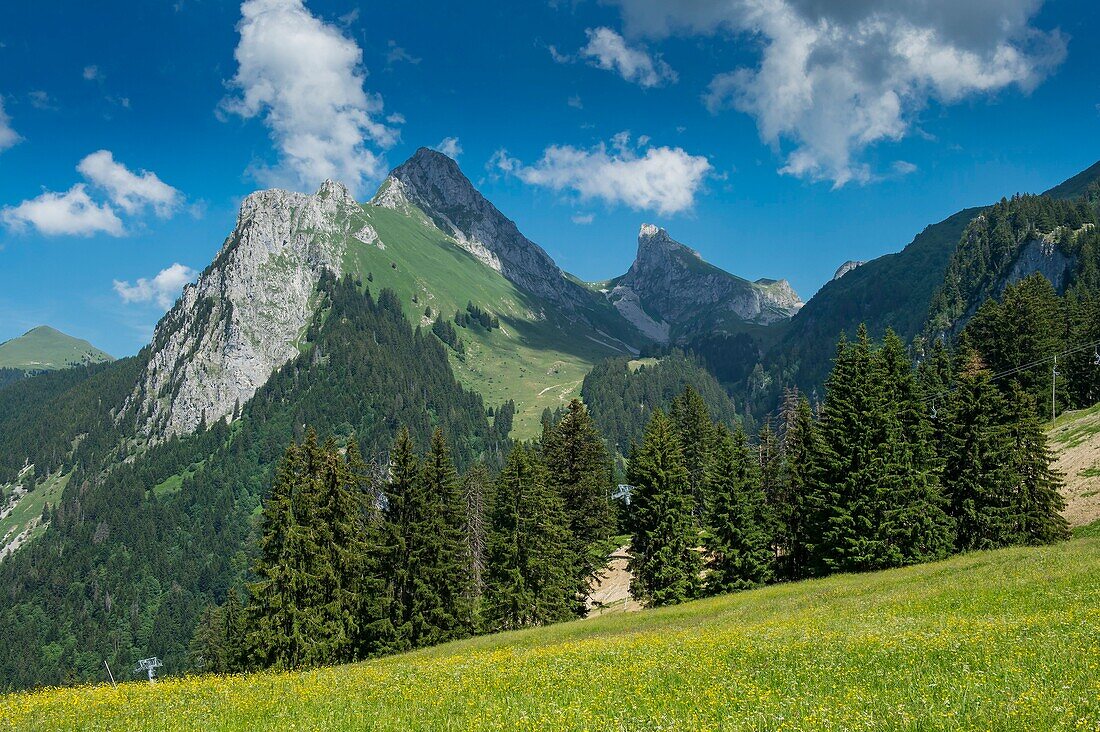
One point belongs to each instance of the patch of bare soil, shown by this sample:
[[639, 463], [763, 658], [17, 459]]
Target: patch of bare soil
[[611, 590]]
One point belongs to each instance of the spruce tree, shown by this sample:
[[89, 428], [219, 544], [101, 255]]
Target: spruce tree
[[978, 465], [286, 630], [914, 524], [403, 504], [665, 562], [530, 577], [579, 471], [738, 517], [691, 419], [798, 509], [441, 608], [1038, 504]]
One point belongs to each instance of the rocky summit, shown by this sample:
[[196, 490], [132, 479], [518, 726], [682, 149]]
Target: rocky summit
[[229, 331], [670, 290], [433, 184]]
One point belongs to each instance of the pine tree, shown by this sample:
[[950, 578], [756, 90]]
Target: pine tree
[[978, 465], [441, 609], [286, 630], [530, 581], [798, 509], [403, 504], [1037, 501], [665, 563], [579, 471], [697, 436], [738, 517]]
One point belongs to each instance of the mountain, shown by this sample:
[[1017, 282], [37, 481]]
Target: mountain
[[670, 292], [431, 184], [46, 349], [446, 251]]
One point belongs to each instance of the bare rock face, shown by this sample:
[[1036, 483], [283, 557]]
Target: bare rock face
[[670, 285], [433, 183], [847, 267], [244, 317]]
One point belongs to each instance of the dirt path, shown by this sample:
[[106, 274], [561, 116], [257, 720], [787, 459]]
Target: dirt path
[[611, 590]]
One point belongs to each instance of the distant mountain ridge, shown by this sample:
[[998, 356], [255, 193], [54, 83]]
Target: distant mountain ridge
[[47, 349]]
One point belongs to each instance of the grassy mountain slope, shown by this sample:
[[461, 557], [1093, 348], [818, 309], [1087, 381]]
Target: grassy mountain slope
[[1001, 640], [46, 349], [1075, 438], [538, 357]]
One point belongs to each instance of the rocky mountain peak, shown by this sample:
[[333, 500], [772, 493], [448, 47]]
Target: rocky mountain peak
[[244, 317], [671, 289], [433, 183]]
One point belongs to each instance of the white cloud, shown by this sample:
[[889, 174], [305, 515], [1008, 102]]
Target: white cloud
[[304, 77], [91, 73], [128, 190], [661, 179], [904, 167], [449, 146], [837, 77], [72, 213], [575, 102], [608, 50], [583, 219], [8, 136], [162, 289]]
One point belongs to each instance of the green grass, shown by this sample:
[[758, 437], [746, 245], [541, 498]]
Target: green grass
[[173, 483], [1006, 640], [44, 348], [1088, 531], [1073, 428], [536, 357], [30, 507]]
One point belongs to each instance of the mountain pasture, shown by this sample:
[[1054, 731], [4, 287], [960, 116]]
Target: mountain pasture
[[1006, 640]]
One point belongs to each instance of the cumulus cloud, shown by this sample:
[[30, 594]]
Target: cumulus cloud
[[449, 146], [76, 213], [583, 219], [91, 73], [608, 50], [72, 212], [661, 179], [304, 78], [130, 191], [835, 77], [162, 289], [8, 136]]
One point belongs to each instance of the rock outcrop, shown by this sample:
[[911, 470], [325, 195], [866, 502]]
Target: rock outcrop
[[847, 267], [670, 287], [245, 316]]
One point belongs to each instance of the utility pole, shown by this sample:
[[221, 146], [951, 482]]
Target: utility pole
[[1054, 390]]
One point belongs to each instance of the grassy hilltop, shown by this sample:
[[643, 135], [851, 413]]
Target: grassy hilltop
[[1004, 640]]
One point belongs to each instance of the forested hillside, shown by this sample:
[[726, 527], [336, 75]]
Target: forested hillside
[[133, 555]]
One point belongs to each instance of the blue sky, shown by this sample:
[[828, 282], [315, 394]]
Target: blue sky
[[777, 137]]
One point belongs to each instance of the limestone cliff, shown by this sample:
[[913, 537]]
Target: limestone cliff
[[245, 316]]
